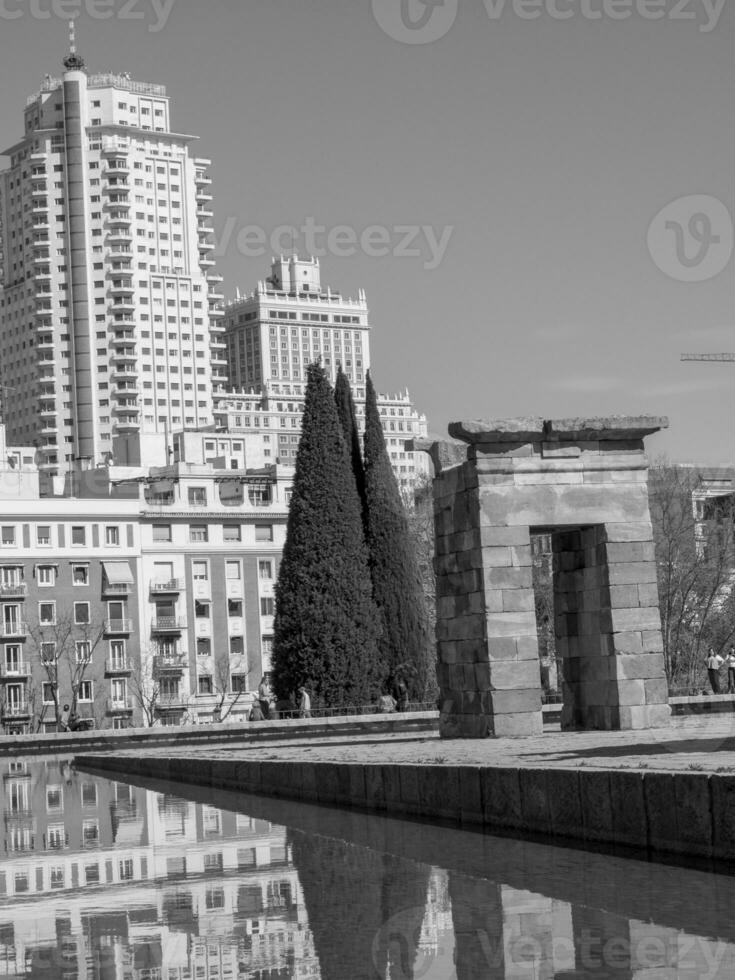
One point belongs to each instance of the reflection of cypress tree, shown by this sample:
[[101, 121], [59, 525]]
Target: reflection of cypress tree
[[477, 919], [365, 908]]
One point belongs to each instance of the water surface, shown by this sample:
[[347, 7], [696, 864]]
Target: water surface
[[105, 879]]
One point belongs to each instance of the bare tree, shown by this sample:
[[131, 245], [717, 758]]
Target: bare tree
[[696, 563], [65, 650], [226, 699], [145, 687]]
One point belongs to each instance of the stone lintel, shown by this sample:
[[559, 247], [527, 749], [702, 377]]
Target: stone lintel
[[526, 429], [444, 453]]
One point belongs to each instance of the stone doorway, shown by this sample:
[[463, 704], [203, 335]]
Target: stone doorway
[[585, 482]]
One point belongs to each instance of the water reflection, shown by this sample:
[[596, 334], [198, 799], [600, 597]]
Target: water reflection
[[101, 879]]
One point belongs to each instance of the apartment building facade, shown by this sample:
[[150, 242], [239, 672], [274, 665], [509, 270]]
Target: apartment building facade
[[147, 598], [109, 307]]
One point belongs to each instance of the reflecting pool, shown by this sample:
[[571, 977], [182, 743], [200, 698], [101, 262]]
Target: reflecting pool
[[105, 879]]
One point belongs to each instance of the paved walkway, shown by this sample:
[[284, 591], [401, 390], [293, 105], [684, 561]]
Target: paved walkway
[[691, 744]]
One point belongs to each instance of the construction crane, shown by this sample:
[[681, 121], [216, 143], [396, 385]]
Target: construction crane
[[708, 357]]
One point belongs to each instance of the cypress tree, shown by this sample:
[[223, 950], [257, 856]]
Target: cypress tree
[[407, 646], [326, 627], [348, 421]]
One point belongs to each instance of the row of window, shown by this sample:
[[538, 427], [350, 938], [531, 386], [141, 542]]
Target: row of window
[[199, 533], [10, 538]]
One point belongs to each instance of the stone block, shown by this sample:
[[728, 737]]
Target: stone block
[[640, 618], [309, 781], [512, 702], [647, 595], [505, 647], [470, 794], [510, 624], [692, 794], [501, 798], [519, 577], [439, 792], [723, 817], [658, 789], [494, 600], [521, 556], [597, 811], [391, 776], [534, 800], [357, 785], [625, 596], [518, 600], [521, 723], [628, 808], [630, 551], [497, 557], [565, 806], [482, 676], [628, 692], [652, 640], [409, 780], [625, 531], [632, 573], [519, 675], [629, 642], [374, 795], [639, 717], [504, 536], [657, 690], [526, 648]]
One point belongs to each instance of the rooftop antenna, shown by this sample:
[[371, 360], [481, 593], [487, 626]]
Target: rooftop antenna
[[73, 62]]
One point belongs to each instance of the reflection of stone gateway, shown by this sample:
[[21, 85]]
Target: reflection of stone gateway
[[585, 482]]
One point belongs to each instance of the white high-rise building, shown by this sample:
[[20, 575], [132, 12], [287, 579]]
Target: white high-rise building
[[109, 307]]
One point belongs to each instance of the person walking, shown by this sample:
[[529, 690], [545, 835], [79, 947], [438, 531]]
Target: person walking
[[304, 703], [714, 662], [265, 695], [731, 670]]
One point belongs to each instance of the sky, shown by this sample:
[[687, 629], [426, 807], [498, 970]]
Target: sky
[[536, 195]]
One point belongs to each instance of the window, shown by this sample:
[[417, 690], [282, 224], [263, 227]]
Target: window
[[46, 575], [198, 532], [201, 609], [234, 607], [83, 650], [231, 532], [232, 570], [78, 535], [198, 496], [265, 569], [267, 606], [8, 534], [54, 799], [47, 613], [89, 795], [48, 693], [161, 532], [92, 874], [43, 535], [200, 571], [112, 534], [85, 691], [48, 651], [204, 648], [80, 574], [90, 833], [205, 684], [263, 532], [239, 683], [81, 613]]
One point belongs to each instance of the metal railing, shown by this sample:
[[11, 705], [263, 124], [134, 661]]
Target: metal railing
[[172, 585], [118, 625], [162, 624]]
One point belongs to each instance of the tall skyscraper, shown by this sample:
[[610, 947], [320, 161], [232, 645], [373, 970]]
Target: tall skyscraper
[[109, 307]]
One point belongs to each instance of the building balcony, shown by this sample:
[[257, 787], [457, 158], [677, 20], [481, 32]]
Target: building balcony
[[171, 586], [116, 588], [122, 306], [40, 257], [117, 706], [15, 710], [119, 236], [206, 263], [171, 702], [202, 213], [129, 424], [215, 296], [39, 191], [217, 328], [203, 179], [41, 241], [16, 591], [18, 629], [118, 665], [123, 374], [118, 221], [122, 288], [126, 356], [124, 390], [168, 624], [39, 206], [48, 430], [202, 197], [18, 670], [215, 277], [118, 626], [169, 664], [119, 250]]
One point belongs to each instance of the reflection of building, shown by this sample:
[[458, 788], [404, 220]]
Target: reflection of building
[[110, 874], [272, 335]]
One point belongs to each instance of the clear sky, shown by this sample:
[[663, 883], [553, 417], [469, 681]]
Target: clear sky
[[545, 147]]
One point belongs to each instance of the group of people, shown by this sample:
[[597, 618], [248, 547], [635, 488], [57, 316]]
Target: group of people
[[266, 707], [714, 663]]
